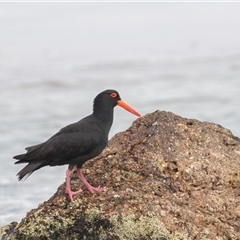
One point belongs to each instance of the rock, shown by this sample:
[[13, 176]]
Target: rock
[[166, 177], [7, 230]]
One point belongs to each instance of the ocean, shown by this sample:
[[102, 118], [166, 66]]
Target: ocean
[[56, 57]]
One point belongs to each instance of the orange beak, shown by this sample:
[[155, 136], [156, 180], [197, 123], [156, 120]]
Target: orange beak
[[122, 104]]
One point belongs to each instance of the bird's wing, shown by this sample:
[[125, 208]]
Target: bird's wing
[[72, 145], [62, 148], [75, 140]]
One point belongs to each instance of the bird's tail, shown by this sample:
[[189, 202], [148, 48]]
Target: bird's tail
[[20, 158], [32, 153], [32, 158], [28, 170]]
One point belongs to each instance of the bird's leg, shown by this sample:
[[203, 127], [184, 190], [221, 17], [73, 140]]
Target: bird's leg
[[89, 187], [68, 185]]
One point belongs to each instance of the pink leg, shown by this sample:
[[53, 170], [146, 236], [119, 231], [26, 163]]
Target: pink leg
[[89, 187], [68, 185]]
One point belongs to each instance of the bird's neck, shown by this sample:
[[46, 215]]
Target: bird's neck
[[104, 114]]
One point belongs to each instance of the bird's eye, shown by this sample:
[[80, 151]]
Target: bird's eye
[[113, 95]]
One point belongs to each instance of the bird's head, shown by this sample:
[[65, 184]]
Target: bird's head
[[111, 98]]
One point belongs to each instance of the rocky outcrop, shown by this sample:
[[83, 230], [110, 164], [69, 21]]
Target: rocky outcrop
[[166, 177]]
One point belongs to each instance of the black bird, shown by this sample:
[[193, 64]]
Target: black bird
[[76, 143]]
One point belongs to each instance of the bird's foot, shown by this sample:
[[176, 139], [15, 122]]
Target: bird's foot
[[72, 193], [93, 189], [87, 184]]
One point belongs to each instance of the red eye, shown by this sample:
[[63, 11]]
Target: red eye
[[113, 95]]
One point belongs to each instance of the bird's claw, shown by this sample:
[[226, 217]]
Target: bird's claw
[[95, 189], [72, 193]]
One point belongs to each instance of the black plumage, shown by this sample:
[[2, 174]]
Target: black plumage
[[77, 142]]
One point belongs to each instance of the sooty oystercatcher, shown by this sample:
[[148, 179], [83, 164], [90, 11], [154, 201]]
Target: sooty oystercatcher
[[76, 143]]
